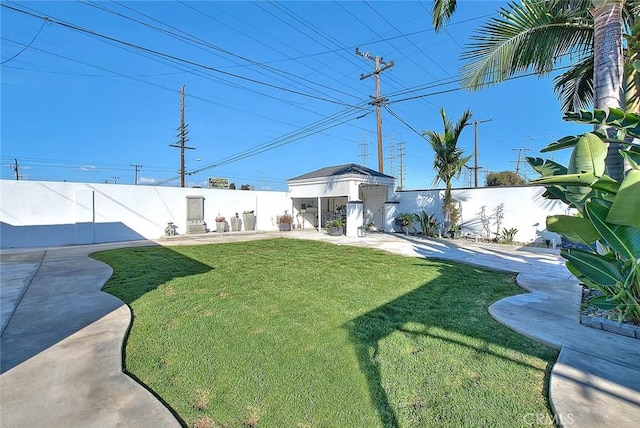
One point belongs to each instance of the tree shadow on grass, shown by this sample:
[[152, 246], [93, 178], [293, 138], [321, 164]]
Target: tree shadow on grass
[[442, 304], [65, 294], [138, 271]]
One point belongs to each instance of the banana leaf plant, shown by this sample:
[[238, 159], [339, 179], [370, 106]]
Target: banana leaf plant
[[608, 218]]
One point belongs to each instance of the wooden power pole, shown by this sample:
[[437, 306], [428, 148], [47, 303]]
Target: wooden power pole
[[137, 168], [377, 100], [475, 167], [182, 134], [16, 168]]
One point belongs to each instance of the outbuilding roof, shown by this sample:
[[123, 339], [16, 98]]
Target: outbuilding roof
[[334, 171]]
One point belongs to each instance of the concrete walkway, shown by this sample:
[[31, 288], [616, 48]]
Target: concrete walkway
[[62, 338]]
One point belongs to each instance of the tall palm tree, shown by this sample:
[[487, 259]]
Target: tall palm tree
[[449, 160], [538, 35]]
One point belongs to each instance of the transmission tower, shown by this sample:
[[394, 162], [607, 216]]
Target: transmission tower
[[521, 157], [364, 144], [401, 156], [392, 157]]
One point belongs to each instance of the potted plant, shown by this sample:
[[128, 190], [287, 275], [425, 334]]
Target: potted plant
[[405, 221], [221, 223], [249, 220], [284, 221], [335, 227], [235, 223]]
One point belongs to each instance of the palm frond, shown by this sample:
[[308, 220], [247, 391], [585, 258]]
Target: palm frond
[[575, 86], [441, 12], [533, 35]]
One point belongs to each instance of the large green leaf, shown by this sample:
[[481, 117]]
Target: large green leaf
[[576, 229], [606, 184], [564, 142], [626, 206], [624, 240], [588, 155], [632, 156], [604, 302], [556, 192], [599, 269], [626, 121], [582, 179], [546, 167]]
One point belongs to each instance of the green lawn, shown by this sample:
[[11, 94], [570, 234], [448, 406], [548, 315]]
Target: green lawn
[[290, 333]]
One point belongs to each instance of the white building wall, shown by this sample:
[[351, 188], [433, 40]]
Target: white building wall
[[34, 214]]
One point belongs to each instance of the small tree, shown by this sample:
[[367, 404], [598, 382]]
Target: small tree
[[504, 178], [449, 160]]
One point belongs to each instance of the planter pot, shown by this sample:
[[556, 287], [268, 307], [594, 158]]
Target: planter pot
[[249, 221], [336, 230], [235, 224], [221, 226], [284, 226]]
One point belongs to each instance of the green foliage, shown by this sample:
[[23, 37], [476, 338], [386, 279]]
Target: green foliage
[[507, 235], [428, 223], [609, 213], [504, 178], [338, 222], [449, 159], [245, 187], [405, 221]]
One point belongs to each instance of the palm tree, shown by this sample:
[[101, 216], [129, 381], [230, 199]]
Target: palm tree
[[538, 35], [448, 160]]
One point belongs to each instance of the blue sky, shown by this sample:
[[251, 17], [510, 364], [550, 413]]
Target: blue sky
[[273, 90]]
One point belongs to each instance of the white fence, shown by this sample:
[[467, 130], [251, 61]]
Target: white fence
[[523, 207], [38, 214]]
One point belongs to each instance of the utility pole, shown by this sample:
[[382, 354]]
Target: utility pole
[[183, 138], [16, 167], [137, 168], [377, 100], [475, 167]]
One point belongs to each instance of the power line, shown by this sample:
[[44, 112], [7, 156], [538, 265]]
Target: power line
[[319, 126], [28, 45], [175, 58]]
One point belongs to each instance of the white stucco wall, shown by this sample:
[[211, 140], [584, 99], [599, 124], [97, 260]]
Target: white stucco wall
[[524, 208], [34, 213]]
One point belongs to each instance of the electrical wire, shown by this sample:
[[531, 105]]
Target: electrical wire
[[28, 45], [173, 57]]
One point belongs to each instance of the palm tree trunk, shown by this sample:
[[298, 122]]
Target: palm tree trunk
[[608, 75], [447, 206]]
